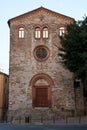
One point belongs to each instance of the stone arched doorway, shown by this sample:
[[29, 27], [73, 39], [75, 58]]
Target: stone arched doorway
[[41, 90]]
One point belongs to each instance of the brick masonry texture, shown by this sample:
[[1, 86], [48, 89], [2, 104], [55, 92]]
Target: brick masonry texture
[[24, 66]]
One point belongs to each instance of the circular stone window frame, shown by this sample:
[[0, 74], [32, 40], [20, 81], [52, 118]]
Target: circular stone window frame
[[47, 50]]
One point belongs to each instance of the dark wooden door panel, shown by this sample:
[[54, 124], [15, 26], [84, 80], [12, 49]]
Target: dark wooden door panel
[[41, 97]]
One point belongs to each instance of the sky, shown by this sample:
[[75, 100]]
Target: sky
[[76, 9]]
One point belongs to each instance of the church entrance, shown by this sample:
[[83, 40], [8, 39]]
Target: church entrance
[[41, 90], [41, 96]]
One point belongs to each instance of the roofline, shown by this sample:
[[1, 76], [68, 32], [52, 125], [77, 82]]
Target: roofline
[[4, 73], [32, 11]]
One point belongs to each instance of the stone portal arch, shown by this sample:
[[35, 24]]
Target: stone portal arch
[[41, 90]]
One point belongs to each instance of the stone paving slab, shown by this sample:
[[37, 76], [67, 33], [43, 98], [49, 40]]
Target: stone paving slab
[[42, 127]]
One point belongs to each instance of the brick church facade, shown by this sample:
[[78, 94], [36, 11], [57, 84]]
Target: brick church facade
[[38, 79]]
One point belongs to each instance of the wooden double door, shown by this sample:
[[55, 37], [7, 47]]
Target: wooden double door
[[41, 96]]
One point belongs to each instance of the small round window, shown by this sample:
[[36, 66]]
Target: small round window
[[41, 53]]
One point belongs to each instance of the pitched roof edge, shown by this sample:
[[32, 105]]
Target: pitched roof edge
[[4, 73], [40, 8], [23, 14]]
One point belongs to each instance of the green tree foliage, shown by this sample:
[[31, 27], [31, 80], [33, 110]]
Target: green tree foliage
[[74, 48]]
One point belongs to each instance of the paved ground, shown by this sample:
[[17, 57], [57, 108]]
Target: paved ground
[[43, 127]]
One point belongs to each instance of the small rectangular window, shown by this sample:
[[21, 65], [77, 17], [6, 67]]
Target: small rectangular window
[[61, 31], [21, 32], [37, 33], [45, 32]]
